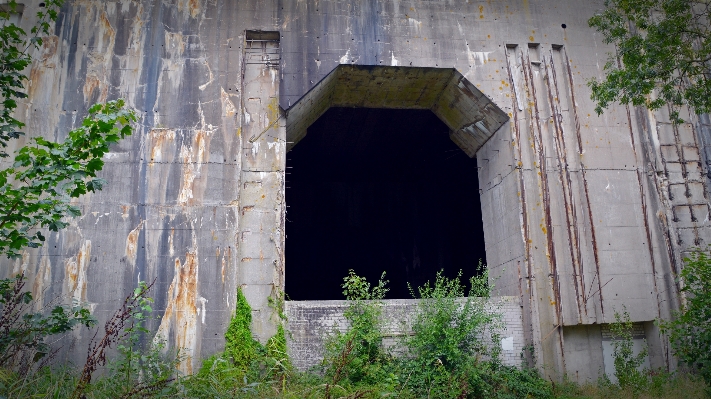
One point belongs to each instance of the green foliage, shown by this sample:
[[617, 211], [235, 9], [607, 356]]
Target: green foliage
[[240, 348], [23, 334], [662, 385], [276, 348], [496, 381], [627, 364], [140, 365], [357, 289], [276, 358], [140, 368], [356, 356], [245, 365], [36, 190], [14, 58], [139, 371], [690, 331], [663, 47], [445, 350]]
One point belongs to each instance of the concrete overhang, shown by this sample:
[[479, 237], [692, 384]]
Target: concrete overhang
[[471, 116]]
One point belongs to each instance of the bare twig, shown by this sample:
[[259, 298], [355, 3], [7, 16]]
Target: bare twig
[[115, 330]]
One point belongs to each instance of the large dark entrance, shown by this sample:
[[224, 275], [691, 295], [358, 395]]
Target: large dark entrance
[[378, 190]]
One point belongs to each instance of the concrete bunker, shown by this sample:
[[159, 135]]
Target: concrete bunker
[[385, 179]]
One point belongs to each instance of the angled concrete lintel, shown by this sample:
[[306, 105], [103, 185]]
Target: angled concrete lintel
[[471, 116]]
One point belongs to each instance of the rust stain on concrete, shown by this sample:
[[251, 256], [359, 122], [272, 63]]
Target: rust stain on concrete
[[180, 317], [175, 44], [99, 61], [131, 63], [171, 247], [124, 211], [191, 7], [159, 137], [226, 260], [49, 49], [43, 278], [75, 271], [194, 6], [20, 265], [193, 157], [188, 175], [200, 138], [46, 60], [132, 244], [228, 107]]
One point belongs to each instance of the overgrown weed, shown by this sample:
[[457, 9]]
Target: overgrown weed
[[450, 355]]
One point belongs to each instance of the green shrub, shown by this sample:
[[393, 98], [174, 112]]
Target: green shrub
[[23, 334], [240, 348], [690, 331], [356, 356], [446, 351], [627, 364]]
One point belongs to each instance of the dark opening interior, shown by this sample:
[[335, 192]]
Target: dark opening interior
[[378, 190]]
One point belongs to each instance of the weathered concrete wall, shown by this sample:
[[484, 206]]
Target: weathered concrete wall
[[582, 214], [311, 322]]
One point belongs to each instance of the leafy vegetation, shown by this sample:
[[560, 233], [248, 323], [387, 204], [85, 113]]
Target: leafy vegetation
[[663, 50], [137, 369], [15, 44], [447, 345], [23, 333], [690, 330], [450, 355], [240, 348], [627, 364], [356, 356], [35, 191]]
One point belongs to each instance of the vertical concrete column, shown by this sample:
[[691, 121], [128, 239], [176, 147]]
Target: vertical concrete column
[[261, 229]]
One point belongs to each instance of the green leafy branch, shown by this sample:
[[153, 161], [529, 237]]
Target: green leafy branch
[[627, 363], [23, 333], [663, 50], [36, 191], [15, 45], [690, 330]]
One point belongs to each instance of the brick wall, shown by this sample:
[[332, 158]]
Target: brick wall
[[310, 322]]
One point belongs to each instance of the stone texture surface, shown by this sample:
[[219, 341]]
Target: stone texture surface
[[311, 322]]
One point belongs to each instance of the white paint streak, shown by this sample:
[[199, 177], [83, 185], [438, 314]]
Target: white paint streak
[[203, 303], [414, 23], [346, 57], [21, 264], [227, 105], [477, 58], [210, 79], [186, 189]]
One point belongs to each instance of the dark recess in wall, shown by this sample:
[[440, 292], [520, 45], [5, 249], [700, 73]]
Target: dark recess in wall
[[379, 190]]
